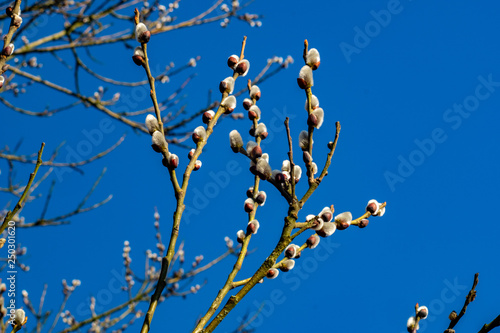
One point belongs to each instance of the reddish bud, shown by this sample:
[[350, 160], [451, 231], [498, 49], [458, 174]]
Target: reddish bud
[[327, 230], [242, 67], [260, 199], [306, 157], [326, 214], [191, 153], [256, 152], [372, 208], [363, 223], [173, 161], [312, 241], [272, 273], [292, 251], [8, 50], [249, 205], [305, 79], [313, 59], [240, 236], [253, 226], [254, 112], [138, 60], [287, 265], [227, 85], [142, 34], [247, 103], [208, 116], [255, 92], [232, 61], [199, 134]]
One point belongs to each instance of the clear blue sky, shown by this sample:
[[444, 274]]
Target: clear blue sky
[[416, 87]]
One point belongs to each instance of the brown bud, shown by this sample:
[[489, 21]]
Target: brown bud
[[256, 152], [242, 67], [372, 208], [312, 120], [342, 225], [197, 165], [138, 60], [191, 153], [302, 83], [7, 51], [312, 241], [207, 116], [253, 226], [173, 161], [330, 145], [363, 223], [326, 216], [272, 273], [249, 205], [255, 92], [254, 112], [144, 37], [247, 103], [453, 315], [280, 178], [261, 198], [306, 157], [232, 61], [9, 11]]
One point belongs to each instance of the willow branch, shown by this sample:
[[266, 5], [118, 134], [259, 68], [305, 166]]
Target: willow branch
[[20, 203]]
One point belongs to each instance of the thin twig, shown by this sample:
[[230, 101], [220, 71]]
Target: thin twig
[[20, 203]]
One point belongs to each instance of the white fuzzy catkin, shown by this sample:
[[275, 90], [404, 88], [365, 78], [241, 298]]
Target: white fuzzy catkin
[[140, 30], [261, 129], [264, 169], [306, 75], [152, 123], [297, 172], [312, 58], [255, 92], [201, 132], [228, 84], [139, 51], [319, 114], [256, 109], [345, 217], [304, 140], [314, 103], [235, 140], [158, 139], [242, 67], [229, 102]]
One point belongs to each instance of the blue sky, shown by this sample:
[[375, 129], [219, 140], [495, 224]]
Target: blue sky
[[416, 88]]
